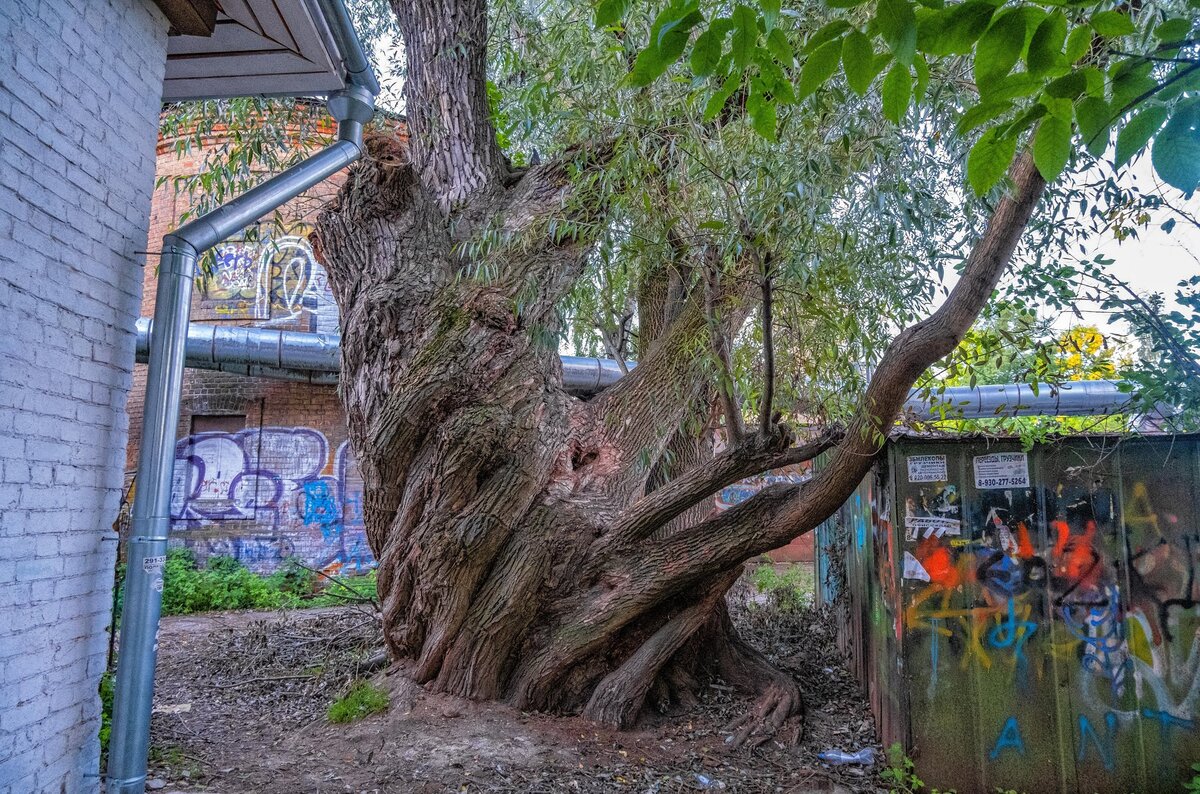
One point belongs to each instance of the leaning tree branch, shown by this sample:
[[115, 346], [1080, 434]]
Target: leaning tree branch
[[754, 454], [451, 137], [779, 513], [912, 352]]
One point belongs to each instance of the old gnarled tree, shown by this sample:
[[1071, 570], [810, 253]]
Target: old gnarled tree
[[533, 546]]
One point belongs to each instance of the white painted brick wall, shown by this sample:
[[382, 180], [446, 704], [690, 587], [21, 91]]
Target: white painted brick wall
[[80, 82]]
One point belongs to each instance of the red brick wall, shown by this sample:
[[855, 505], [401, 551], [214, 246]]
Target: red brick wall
[[283, 484]]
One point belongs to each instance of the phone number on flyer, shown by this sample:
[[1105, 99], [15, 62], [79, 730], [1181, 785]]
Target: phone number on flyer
[[1002, 482]]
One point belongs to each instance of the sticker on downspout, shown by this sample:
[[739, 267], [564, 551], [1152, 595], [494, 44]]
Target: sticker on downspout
[[1002, 470], [154, 564]]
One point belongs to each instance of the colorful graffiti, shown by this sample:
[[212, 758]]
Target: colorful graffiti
[[262, 495], [274, 281], [1076, 591]]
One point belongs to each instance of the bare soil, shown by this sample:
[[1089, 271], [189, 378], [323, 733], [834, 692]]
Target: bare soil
[[241, 700]]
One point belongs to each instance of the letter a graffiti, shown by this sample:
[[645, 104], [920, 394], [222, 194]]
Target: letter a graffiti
[[1010, 737], [1103, 746]]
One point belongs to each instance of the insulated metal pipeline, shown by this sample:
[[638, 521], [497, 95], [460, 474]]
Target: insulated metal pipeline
[[1076, 398], [313, 358], [167, 350]]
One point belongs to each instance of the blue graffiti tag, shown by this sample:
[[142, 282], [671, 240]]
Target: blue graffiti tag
[[1103, 746], [1010, 737], [1012, 633]]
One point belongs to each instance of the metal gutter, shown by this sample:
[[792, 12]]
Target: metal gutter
[[314, 358], [167, 351]]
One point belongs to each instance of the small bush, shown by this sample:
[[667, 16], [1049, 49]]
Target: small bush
[[225, 583], [363, 699], [790, 590]]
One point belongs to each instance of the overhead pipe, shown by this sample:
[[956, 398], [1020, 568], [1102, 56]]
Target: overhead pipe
[[313, 358], [1075, 398], [167, 350]]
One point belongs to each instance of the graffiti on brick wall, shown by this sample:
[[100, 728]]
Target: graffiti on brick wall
[[262, 495], [274, 281], [1087, 582]]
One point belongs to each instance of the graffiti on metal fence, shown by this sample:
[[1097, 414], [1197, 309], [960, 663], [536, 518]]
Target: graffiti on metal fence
[[263, 495], [1103, 589]]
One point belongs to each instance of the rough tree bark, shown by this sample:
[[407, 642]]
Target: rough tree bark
[[533, 546]]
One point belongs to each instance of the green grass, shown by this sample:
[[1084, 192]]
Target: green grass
[[363, 699]]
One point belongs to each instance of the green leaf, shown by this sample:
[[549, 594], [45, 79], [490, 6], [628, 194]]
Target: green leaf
[[1112, 24], [896, 91], [770, 10], [1068, 86], [781, 48], [706, 52], [955, 30], [844, 3], [1137, 132], [897, 23], [1093, 116], [982, 114], [1013, 86], [1174, 30], [1052, 147], [1176, 152], [819, 67], [921, 68], [858, 59], [1000, 47], [716, 102], [668, 39], [826, 34], [762, 112], [989, 159], [1131, 85], [745, 35], [610, 12], [1079, 43], [1045, 49]]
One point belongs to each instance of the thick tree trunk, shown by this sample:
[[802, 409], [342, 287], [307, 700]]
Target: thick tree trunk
[[532, 546]]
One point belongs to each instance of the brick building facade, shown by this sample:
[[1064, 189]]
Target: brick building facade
[[262, 469], [80, 88]]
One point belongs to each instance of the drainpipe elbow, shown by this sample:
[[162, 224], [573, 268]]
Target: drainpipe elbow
[[352, 107]]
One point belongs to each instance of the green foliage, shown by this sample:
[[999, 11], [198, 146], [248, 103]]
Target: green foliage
[[790, 589], [1089, 68], [900, 775], [363, 700], [107, 689], [1193, 786], [225, 583]]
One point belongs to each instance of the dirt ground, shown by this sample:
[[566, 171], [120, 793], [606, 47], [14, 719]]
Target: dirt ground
[[241, 699]]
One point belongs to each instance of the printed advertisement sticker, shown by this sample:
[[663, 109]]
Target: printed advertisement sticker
[[1002, 470], [927, 468]]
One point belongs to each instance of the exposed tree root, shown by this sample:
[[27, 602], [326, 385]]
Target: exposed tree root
[[779, 703]]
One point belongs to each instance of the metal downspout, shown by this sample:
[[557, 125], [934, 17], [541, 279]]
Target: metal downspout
[[147, 546]]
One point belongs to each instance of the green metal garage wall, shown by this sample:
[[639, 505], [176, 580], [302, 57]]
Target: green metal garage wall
[[1036, 634]]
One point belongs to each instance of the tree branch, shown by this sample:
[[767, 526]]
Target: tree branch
[[451, 138], [912, 352], [756, 453], [731, 405], [765, 419]]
